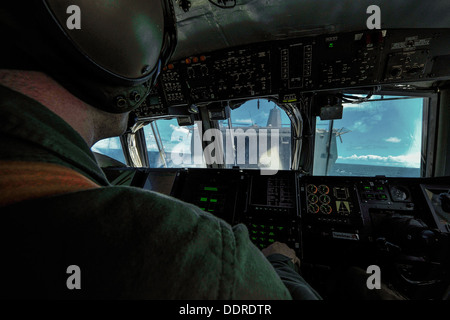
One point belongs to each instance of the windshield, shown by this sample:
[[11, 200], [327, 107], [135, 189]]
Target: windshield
[[382, 136], [170, 145], [110, 147], [259, 136]]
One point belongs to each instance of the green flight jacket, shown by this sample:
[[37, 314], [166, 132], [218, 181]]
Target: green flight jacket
[[128, 243]]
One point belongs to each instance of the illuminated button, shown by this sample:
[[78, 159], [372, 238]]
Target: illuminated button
[[188, 61], [195, 59], [213, 200], [202, 58], [382, 196], [271, 240], [203, 199], [171, 66]]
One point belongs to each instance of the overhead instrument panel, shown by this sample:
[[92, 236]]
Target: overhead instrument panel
[[349, 59], [286, 69], [295, 71]]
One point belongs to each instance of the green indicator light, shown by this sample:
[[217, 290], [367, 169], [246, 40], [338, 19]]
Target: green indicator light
[[271, 227], [271, 234], [367, 188], [204, 209], [211, 210], [211, 189], [254, 238], [213, 200], [271, 240], [331, 45], [280, 228], [203, 199]]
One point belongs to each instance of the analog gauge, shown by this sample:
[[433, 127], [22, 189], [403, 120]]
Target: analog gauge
[[399, 193], [323, 189], [324, 199], [312, 198], [313, 208], [311, 188], [325, 209]]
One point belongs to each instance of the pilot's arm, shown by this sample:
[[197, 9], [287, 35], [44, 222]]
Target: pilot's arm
[[285, 261]]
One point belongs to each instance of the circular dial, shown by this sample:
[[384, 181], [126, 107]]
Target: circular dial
[[311, 188], [312, 198], [313, 208], [323, 189], [325, 209], [324, 199]]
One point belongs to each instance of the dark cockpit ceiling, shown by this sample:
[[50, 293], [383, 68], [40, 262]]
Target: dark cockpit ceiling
[[206, 27]]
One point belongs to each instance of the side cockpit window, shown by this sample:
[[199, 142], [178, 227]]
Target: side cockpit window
[[382, 136]]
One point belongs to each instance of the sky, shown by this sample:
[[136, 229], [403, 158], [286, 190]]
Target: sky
[[383, 133]]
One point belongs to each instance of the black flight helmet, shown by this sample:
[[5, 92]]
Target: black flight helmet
[[108, 53]]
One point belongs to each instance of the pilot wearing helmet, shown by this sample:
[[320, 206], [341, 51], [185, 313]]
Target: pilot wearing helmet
[[63, 88]]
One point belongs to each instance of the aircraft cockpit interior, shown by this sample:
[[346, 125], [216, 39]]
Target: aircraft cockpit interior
[[310, 126]]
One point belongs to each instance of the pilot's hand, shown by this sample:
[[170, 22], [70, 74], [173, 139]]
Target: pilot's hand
[[281, 248]]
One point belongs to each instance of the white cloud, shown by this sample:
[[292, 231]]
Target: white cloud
[[411, 160], [359, 126], [240, 121], [393, 140], [179, 129]]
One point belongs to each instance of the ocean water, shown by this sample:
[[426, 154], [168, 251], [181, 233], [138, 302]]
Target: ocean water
[[343, 169]]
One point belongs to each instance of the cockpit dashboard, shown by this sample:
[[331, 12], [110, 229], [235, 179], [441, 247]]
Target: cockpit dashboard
[[332, 223]]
